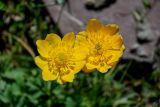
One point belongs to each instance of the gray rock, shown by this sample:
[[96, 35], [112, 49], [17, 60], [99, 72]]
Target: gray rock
[[139, 51], [144, 32], [121, 13]]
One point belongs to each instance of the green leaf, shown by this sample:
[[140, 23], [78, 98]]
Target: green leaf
[[2, 85], [4, 99], [37, 95], [70, 102], [15, 89], [156, 73], [2, 6], [57, 91], [32, 99], [147, 3], [16, 74]]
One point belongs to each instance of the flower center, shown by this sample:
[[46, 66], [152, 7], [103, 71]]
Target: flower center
[[60, 59], [59, 64], [98, 48]]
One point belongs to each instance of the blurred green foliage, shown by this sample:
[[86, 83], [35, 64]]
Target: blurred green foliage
[[147, 3], [22, 23]]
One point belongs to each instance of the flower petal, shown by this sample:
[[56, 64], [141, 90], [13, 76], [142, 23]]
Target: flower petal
[[47, 75], [40, 62], [110, 29], [68, 40], [116, 41], [123, 48], [103, 67], [68, 78], [114, 56], [81, 43], [60, 81], [90, 66], [53, 39], [78, 66], [86, 70], [93, 25], [80, 53], [81, 38], [43, 48]]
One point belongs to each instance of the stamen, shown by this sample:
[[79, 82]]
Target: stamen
[[98, 47]]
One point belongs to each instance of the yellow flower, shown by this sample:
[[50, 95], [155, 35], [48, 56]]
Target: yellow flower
[[59, 59], [104, 44]]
